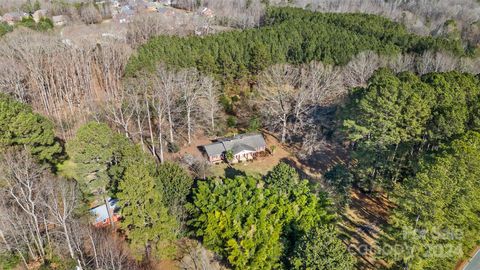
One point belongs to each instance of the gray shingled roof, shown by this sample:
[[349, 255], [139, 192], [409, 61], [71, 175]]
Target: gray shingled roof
[[238, 143]]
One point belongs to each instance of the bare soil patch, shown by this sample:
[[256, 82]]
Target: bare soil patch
[[361, 223]]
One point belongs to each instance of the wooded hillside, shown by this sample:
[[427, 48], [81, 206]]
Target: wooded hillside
[[290, 35]]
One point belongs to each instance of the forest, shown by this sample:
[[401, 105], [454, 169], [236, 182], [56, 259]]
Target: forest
[[289, 35], [98, 120]]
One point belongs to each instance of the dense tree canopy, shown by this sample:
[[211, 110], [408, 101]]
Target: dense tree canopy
[[436, 220], [398, 117], [320, 249], [150, 229], [283, 177], [175, 183], [19, 125], [93, 151], [290, 35], [249, 223]]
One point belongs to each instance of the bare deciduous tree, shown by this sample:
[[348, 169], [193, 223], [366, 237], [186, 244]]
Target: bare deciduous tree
[[361, 68], [402, 62], [24, 189], [276, 89], [436, 62], [189, 85], [62, 200], [89, 14], [209, 101]]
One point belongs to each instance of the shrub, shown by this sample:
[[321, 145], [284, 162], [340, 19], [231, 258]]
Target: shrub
[[231, 121]]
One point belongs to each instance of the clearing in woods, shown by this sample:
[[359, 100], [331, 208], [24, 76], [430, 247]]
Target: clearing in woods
[[362, 221]]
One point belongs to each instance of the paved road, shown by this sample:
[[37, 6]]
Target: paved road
[[474, 263]]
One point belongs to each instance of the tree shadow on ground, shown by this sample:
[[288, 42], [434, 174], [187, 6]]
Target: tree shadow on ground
[[231, 172]]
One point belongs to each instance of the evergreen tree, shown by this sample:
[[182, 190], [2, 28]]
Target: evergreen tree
[[320, 249], [398, 117], [92, 152], [249, 223], [150, 229], [436, 220], [175, 183], [19, 125], [283, 177], [290, 35]]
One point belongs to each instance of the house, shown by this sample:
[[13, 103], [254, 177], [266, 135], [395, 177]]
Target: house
[[125, 14], [243, 147], [13, 17], [101, 215], [59, 20]]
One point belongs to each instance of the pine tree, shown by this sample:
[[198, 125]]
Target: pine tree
[[320, 249], [93, 150], [150, 230], [19, 125]]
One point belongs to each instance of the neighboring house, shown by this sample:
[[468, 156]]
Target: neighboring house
[[243, 147], [13, 17], [101, 214], [125, 14], [59, 20]]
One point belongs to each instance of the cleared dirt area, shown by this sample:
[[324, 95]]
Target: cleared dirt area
[[361, 223]]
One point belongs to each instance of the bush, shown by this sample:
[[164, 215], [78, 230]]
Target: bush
[[5, 28], [173, 147], [28, 22], [254, 124], [321, 249], [231, 121], [44, 24], [9, 260]]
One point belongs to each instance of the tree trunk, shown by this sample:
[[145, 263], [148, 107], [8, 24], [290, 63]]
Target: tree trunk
[[284, 127], [160, 135], [67, 238], [107, 205], [95, 256], [212, 120], [152, 139], [189, 126], [140, 129], [170, 123]]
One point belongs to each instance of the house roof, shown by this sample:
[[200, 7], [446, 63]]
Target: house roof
[[237, 144]]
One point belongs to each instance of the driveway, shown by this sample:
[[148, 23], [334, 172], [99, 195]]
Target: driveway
[[474, 262]]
